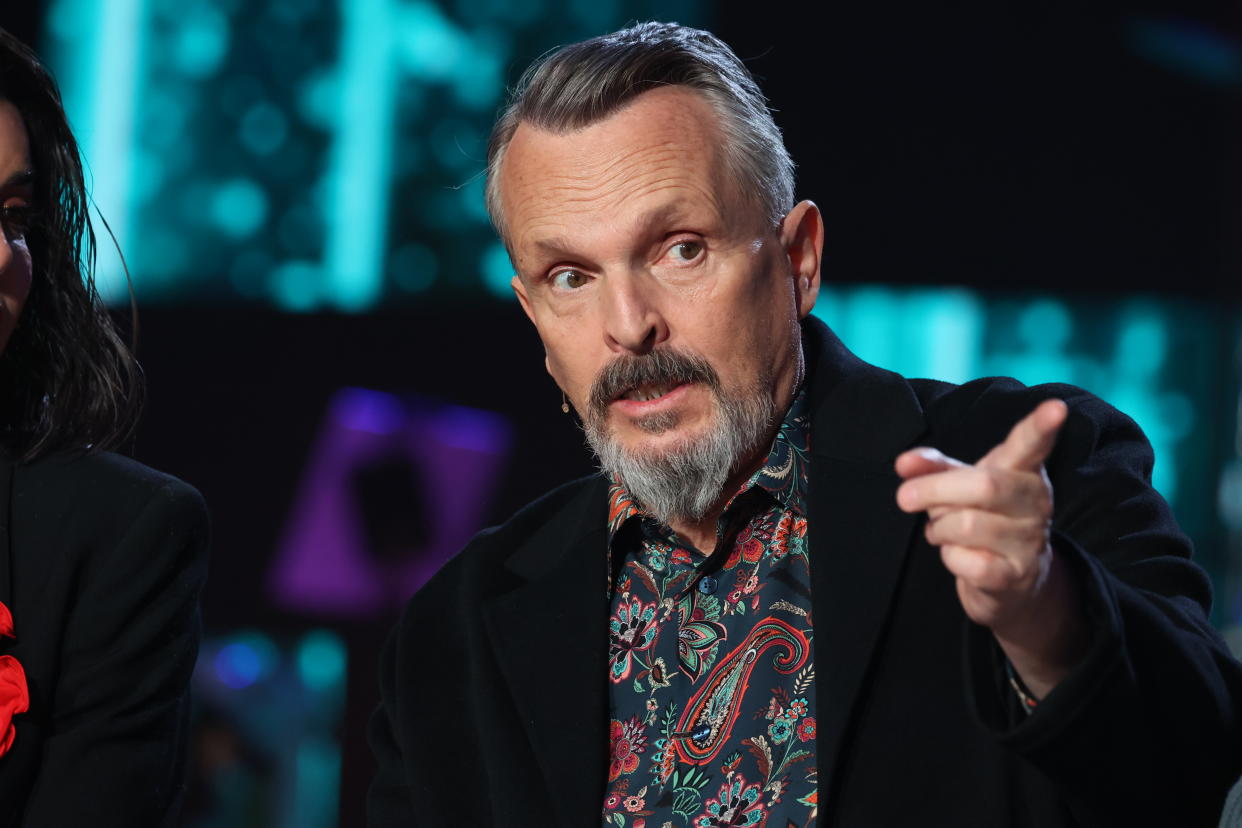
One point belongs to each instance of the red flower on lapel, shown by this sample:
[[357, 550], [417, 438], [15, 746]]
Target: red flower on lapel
[[14, 695]]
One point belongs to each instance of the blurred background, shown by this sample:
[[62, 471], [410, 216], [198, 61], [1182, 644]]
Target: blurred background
[[1052, 192]]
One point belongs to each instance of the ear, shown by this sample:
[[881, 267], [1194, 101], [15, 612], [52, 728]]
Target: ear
[[519, 289], [802, 239]]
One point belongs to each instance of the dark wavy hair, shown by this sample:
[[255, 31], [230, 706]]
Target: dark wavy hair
[[67, 379]]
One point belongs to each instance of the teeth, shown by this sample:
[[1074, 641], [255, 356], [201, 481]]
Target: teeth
[[647, 392]]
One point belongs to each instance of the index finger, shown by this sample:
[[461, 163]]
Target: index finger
[[1030, 441]]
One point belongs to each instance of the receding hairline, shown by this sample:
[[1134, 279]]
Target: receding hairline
[[721, 158]]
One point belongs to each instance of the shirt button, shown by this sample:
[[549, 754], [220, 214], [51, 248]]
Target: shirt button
[[707, 585]]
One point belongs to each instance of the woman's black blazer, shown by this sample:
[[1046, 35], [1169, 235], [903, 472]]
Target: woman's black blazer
[[101, 564]]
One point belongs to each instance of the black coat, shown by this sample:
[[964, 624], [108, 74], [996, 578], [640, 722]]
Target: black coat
[[494, 699], [101, 563]]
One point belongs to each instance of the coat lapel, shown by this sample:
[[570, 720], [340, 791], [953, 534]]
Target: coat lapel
[[550, 637], [864, 417]]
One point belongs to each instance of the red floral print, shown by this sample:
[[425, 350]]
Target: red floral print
[[674, 616], [14, 695], [627, 742]]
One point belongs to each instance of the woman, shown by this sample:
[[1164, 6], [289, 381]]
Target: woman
[[101, 559]]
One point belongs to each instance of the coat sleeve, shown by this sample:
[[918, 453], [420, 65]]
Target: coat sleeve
[[115, 749], [1147, 729]]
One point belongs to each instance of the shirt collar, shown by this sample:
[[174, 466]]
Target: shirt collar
[[782, 475]]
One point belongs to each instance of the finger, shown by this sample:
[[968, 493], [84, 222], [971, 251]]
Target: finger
[[981, 570], [1030, 441], [1017, 539], [920, 461], [996, 490]]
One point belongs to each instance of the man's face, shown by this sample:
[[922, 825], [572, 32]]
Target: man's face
[[630, 238]]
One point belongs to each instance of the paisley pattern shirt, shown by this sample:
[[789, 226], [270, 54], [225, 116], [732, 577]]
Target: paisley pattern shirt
[[711, 672]]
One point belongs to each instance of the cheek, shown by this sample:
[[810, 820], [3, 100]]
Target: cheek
[[16, 278], [566, 361], [572, 348], [756, 338]]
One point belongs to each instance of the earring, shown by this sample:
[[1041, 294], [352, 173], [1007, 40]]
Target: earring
[[564, 403]]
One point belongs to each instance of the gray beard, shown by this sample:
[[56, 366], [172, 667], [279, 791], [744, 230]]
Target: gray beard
[[684, 481]]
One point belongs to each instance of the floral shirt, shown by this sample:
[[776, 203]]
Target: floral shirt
[[710, 664]]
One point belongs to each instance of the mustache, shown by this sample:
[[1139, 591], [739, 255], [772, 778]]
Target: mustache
[[657, 367]]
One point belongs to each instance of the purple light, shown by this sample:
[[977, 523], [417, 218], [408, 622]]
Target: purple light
[[358, 409], [323, 564]]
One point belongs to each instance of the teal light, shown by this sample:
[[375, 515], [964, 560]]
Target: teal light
[[953, 319], [248, 273], [480, 79], [457, 145], [299, 223], [98, 49], [239, 208], [360, 158], [870, 324], [295, 286], [473, 199], [431, 47], [202, 40], [497, 271], [164, 121], [149, 171], [1142, 342], [321, 660], [919, 333], [595, 15], [1042, 350], [414, 267], [317, 787], [317, 99], [953, 334], [263, 129], [1229, 497], [1140, 352]]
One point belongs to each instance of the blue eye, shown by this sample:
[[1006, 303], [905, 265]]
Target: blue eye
[[569, 279]]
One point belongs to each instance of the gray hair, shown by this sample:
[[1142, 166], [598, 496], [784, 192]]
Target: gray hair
[[583, 83], [685, 481]]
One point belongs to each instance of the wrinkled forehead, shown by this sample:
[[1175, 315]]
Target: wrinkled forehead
[[663, 152]]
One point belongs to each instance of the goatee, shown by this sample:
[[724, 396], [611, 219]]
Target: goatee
[[681, 482]]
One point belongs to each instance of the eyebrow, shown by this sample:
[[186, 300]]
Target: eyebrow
[[647, 223], [20, 178]]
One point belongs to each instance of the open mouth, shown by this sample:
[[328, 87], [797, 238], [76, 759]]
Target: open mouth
[[653, 383], [649, 391]]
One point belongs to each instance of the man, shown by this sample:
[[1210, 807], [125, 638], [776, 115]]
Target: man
[[743, 620]]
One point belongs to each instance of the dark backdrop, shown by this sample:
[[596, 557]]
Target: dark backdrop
[[1067, 147]]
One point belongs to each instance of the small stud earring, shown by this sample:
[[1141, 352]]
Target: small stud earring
[[564, 403]]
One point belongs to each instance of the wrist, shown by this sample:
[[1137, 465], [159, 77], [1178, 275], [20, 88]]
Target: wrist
[[1050, 638]]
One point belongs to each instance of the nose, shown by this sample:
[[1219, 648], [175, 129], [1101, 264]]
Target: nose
[[632, 320]]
